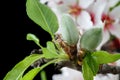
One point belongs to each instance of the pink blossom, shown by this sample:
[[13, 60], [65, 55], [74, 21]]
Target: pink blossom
[[111, 20]]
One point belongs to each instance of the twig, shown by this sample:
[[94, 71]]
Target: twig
[[105, 68]]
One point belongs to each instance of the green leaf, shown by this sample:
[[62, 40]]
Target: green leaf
[[104, 57], [87, 72], [18, 70], [69, 31], [49, 53], [33, 72], [43, 75], [94, 66], [91, 39], [42, 15], [32, 37], [51, 46]]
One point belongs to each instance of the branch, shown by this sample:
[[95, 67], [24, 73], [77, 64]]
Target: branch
[[105, 68]]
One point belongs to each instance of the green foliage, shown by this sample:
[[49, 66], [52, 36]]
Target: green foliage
[[19, 68], [93, 64], [92, 61], [42, 15], [69, 31], [43, 75], [103, 57], [91, 39], [34, 38], [49, 53], [86, 70], [33, 72], [51, 46], [17, 72], [117, 4]]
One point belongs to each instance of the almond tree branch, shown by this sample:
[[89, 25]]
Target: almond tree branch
[[105, 68]]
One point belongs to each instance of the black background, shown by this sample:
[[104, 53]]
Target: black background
[[15, 24]]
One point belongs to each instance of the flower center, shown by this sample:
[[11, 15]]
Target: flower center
[[92, 17], [75, 10], [108, 21]]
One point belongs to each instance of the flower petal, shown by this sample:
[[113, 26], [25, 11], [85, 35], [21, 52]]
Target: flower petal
[[58, 77], [97, 9], [106, 77], [69, 2], [68, 74], [112, 3], [44, 1], [84, 20], [57, 5], [115, 13], [115, 30], [85, 3]]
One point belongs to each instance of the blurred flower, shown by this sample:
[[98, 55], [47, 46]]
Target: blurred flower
[[102, 16], [111, 20], [44, 1], [68, 74], [90, 14], [71, 74], [106, 77]]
